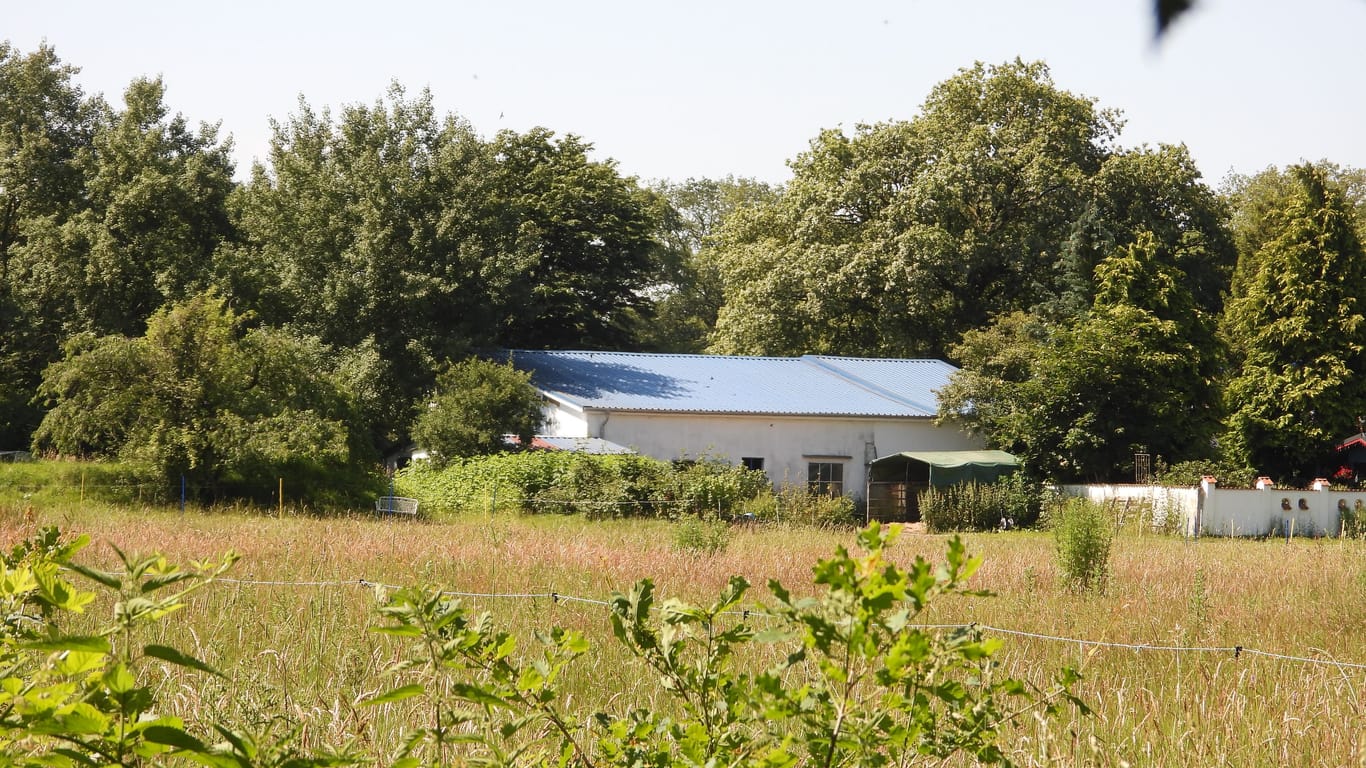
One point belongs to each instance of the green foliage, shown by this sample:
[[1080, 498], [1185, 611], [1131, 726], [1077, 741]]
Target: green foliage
[[46, 127], [1012, 501], [859, 682], [1076, 399], [792, 503], [1353, 520], [1189, 473], [540, 481], [486, 707], [1295, 323], [574, 242], [392, 227], [897, 239], [66, 482], [622, 485], [691, 295], [710, 485], [1083, 531], [85, 699], [198, 397], [475, 404], [701, 534]]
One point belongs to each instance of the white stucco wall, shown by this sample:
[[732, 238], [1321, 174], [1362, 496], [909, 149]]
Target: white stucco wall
[[786, 444], [1241, 512], [1213, 511]]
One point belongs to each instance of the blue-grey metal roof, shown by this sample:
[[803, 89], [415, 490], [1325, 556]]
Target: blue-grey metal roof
[[813, 385]]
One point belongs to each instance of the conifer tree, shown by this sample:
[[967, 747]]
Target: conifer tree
[[1295, 323]]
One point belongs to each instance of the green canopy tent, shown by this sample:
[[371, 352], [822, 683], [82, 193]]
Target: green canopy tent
[[896, 480]]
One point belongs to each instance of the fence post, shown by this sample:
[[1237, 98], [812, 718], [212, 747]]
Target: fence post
[[282, 497], [182, 494]]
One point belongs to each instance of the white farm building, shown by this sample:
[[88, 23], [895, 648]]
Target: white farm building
[[813, 420]]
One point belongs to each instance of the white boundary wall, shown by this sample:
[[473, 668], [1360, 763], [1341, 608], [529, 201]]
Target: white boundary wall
[[1208, 510], [1164, 501]]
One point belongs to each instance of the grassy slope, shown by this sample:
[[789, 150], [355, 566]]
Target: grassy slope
[[303, 652]]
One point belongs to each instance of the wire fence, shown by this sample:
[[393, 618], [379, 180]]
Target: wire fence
[[558, 598]]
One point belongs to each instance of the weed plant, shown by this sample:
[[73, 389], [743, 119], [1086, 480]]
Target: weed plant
[[1083, 531], [1011, 502], [701, 534]]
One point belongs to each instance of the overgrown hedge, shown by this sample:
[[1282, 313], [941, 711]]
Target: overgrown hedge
[[623, 485]]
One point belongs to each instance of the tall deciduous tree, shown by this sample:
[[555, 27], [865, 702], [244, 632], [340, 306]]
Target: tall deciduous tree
[[691, 294], [1295, 323], [393, 229], [1156, 193], [155, 209], [1077, 400], [369, 231], [46, 130], [902, 237], [575, 249], [200, 396]]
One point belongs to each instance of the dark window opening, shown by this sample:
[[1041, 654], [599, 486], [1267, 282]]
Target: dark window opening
[[825, 478]]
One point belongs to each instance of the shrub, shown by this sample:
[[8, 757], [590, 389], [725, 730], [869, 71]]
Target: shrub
[[1083, 531], [795, 504], [476, 402], [622, 485], [701, 535], [711, 485], [1354, 521], [1012, 501], [1190, 473]]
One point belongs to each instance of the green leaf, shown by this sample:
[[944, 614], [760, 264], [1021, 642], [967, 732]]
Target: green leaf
[[81, 643], [477, 695], [403, 630], [161, 580], [106, 578], [119, 679], [167, 653], [397, 694], [173, 737]]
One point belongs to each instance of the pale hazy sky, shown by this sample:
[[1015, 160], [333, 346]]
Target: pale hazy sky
[[702, 88]]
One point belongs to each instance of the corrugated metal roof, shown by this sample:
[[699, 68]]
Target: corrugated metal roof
[[808, 386]]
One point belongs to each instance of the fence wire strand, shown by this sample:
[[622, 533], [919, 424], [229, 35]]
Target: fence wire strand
[[557, 598]]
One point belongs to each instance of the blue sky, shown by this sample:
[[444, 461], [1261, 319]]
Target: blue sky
[[702, 88]]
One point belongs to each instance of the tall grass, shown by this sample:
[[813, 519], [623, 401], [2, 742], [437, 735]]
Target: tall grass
[[300, 654]]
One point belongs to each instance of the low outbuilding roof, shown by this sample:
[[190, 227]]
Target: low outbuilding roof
[[811, 385], [943, 468]]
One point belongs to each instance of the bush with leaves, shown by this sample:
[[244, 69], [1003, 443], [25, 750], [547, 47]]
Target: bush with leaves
[[712, 485], [203, 398], [598, 485], [1190, 473], [1083, 531], [859, 682], [476, 402], [1009, 502], [701, 534], [71, 699]]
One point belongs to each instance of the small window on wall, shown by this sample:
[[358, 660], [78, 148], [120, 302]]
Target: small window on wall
[[753, 462], [825, 477]]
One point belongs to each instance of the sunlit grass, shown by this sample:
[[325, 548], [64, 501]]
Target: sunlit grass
[[301, 656]]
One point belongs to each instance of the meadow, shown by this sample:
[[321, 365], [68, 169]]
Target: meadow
[[1262, 657]]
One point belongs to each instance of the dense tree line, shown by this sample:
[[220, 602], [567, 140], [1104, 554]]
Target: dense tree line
[[1099, 299]]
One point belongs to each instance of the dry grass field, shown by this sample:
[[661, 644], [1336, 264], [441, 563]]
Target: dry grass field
[[292, 633]]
